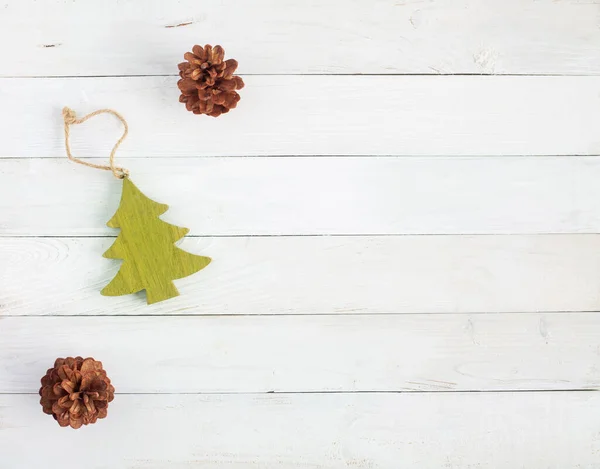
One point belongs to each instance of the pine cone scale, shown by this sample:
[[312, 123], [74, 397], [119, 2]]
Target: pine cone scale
[[65, 402], [226, 85], [68, 386], [196, 73], [90, 407], [61, 372], [58, 389], [90, 365], [198, 51], [191, 58], [217, 55], [86, 382]]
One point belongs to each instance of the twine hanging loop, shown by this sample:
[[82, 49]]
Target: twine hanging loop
[[70, 118]]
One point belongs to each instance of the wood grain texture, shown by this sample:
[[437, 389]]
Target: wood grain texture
[[311, 115], [137, 37], [312, 353], [536, 430], [312, 275], [312, 196]]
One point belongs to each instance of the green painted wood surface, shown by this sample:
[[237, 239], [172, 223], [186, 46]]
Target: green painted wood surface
[[146, 245]]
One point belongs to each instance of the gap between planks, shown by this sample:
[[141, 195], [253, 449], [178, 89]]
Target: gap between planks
[[291, 393], [300, 156], [310, 235], [167, 75], [288, 315]]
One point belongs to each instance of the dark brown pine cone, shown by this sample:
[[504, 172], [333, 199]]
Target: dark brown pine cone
[[76, 392], [207, 82]]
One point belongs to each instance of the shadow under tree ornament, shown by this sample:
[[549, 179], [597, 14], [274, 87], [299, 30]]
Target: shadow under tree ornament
[[151, 261]]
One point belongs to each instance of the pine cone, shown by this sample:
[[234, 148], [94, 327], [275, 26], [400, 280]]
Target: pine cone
[[76, 392], [207, 82]]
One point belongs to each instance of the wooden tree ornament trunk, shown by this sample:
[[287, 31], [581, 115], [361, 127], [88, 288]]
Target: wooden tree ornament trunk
[[164, 292]]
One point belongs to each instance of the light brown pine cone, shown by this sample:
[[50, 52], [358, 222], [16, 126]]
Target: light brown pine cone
[[207, 82], [76, 392]]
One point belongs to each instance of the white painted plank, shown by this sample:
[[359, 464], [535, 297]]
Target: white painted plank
[[549, 430], [312, 115], [312, 353], [312, 275], [139, 37], [312, 196]]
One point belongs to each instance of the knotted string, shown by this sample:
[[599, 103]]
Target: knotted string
[[70, 118]]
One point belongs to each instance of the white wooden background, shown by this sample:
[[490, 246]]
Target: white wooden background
[[403, 214]]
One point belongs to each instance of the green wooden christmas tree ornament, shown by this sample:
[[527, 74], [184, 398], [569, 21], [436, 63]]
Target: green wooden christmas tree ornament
[[151, 261]]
